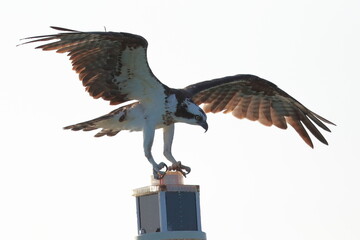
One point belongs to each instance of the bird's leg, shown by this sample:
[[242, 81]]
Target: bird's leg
[[168, 139], [148, 134]]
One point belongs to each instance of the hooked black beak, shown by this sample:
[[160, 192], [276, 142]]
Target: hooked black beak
[[204, 125]]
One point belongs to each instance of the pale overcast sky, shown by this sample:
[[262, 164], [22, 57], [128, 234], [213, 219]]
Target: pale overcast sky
[[256, 182]]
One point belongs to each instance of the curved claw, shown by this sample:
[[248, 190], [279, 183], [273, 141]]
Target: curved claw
[[185, 170], [160, 174]]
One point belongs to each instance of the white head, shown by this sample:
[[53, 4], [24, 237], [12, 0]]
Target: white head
[[188, 112]]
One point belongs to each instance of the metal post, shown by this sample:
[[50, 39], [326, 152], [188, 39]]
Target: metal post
[[168, 209]]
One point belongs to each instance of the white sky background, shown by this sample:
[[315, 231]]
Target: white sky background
[[256, 182]]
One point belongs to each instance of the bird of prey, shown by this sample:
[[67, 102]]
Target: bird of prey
[[114, 66]]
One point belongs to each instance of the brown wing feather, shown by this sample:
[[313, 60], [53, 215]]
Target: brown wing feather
[[105, 62], [264, 113], [251, 97]]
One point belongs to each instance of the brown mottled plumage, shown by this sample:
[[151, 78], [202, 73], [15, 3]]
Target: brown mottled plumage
[[248, 96], [98, 59]]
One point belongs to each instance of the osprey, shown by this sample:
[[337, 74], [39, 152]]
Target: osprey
[[113, 66]]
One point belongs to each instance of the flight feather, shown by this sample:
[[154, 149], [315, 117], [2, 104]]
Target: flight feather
[[254, 98], [112, 66]]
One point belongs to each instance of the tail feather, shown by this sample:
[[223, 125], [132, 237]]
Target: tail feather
[[109, 124], [97, 123], [107, 132], [85, 126], [89, 126]]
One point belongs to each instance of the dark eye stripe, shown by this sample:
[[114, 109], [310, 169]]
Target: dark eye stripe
[[182, 112]]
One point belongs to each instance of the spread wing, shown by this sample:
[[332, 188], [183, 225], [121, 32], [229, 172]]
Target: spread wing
[[112, 66], [251, 97]]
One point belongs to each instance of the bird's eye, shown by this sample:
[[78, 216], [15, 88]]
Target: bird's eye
[[197, 117]]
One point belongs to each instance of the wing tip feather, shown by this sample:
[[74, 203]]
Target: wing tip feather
[[63, 29]]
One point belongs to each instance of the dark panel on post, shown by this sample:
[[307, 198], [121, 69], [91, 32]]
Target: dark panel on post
[[181, 211]]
